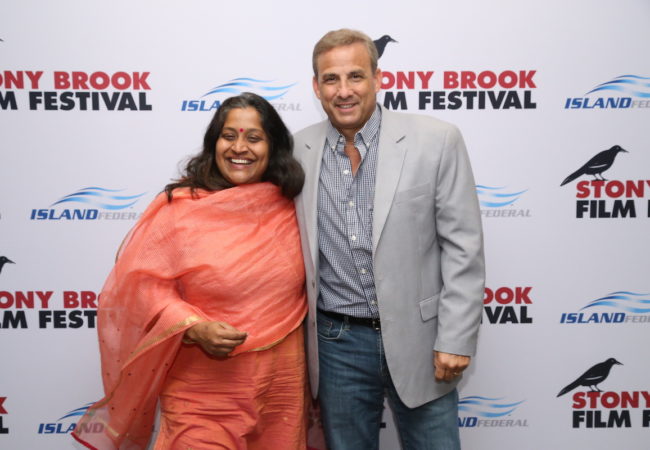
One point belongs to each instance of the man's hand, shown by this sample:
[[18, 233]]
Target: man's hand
[[449, 366], [216, 338]]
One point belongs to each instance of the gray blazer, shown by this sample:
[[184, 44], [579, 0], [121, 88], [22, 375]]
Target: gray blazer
[[427, 248]]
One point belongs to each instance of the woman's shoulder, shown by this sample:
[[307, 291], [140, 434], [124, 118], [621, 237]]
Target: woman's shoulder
[[164, 206]]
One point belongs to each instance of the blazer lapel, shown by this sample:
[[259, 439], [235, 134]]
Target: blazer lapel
[[390, 157], [312, 158]]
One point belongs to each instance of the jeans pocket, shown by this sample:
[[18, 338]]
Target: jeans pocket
[[327, 328]]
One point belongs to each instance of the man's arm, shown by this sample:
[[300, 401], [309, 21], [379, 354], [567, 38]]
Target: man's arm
[[458, 224]]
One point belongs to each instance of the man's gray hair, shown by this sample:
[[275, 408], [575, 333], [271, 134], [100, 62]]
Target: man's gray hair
[[340, 38]]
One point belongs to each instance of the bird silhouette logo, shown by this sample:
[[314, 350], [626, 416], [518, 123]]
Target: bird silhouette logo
[[381, 44], [4, 260], [592, 377], [596, 165]]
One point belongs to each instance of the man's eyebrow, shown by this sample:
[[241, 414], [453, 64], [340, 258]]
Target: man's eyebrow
[[328, 74]]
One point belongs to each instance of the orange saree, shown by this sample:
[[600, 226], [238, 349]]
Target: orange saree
[[232, 256]]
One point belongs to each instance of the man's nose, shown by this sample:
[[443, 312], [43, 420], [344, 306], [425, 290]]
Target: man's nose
[[345, 90]]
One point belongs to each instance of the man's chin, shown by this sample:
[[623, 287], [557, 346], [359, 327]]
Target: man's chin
[[345, 123]]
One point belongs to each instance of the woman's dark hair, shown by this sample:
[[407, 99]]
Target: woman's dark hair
[[284, 170]]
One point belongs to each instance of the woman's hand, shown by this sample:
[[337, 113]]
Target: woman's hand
[[216, 338]]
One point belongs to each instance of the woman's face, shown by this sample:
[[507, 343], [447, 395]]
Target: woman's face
[[242, 150]]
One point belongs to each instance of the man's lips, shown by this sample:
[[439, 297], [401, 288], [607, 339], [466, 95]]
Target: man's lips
[[345, 105]]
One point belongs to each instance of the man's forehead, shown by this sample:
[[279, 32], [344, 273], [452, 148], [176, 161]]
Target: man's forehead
[[344, 58]]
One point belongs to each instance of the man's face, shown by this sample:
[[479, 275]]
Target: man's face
[[346, 87]]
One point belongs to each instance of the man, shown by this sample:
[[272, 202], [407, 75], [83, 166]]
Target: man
[[392, 241]]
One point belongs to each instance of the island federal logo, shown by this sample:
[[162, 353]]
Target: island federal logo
[[68, 422], [3, 412], [600, 198], [507, 305], [95, 203], [501, 201], [622, 92], [274, 92], [477, 411], [594, 408], [619, 307]]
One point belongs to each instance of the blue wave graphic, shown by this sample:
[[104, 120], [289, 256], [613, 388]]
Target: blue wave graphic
[[486, 406], [76, 412], [260, 87], [631, 302], [633, 85], [495, 197], [101, 198]]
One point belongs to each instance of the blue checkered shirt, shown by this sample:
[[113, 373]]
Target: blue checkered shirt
[[345, 203]]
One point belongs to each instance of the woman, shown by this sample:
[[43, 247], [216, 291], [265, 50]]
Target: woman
[[202, 310]]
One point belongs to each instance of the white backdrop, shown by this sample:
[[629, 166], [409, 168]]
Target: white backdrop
[[546, 265]]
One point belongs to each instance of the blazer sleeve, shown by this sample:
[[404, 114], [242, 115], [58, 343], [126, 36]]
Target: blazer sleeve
[[458, 224]]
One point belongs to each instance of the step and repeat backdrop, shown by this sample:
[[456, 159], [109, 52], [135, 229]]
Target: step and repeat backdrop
[[101, 101]]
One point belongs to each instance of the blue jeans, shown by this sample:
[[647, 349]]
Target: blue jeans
[[353, 382]]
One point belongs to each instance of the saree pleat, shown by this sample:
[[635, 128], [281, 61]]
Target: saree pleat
[[254, 401]]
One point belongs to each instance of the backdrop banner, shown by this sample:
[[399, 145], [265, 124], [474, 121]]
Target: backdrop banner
[[101, 102]]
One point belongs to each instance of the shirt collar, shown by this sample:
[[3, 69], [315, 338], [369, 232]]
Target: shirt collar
[[367, 133]]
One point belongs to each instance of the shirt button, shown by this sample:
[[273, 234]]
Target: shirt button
[[351, 204], [353, 238], [346, 171], [363, 271], [373, 302]]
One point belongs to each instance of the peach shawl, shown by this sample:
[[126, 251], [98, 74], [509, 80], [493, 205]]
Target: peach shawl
[[232, 256]]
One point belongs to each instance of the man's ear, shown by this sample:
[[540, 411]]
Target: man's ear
[[377, 80]]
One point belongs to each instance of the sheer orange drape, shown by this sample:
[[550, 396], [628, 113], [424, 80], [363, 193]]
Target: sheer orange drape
[[232, 256]]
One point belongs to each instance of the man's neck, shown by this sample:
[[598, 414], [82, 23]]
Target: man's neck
[[348, 135]]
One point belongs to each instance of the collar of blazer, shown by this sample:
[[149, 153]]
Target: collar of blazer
[[390, 157]]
